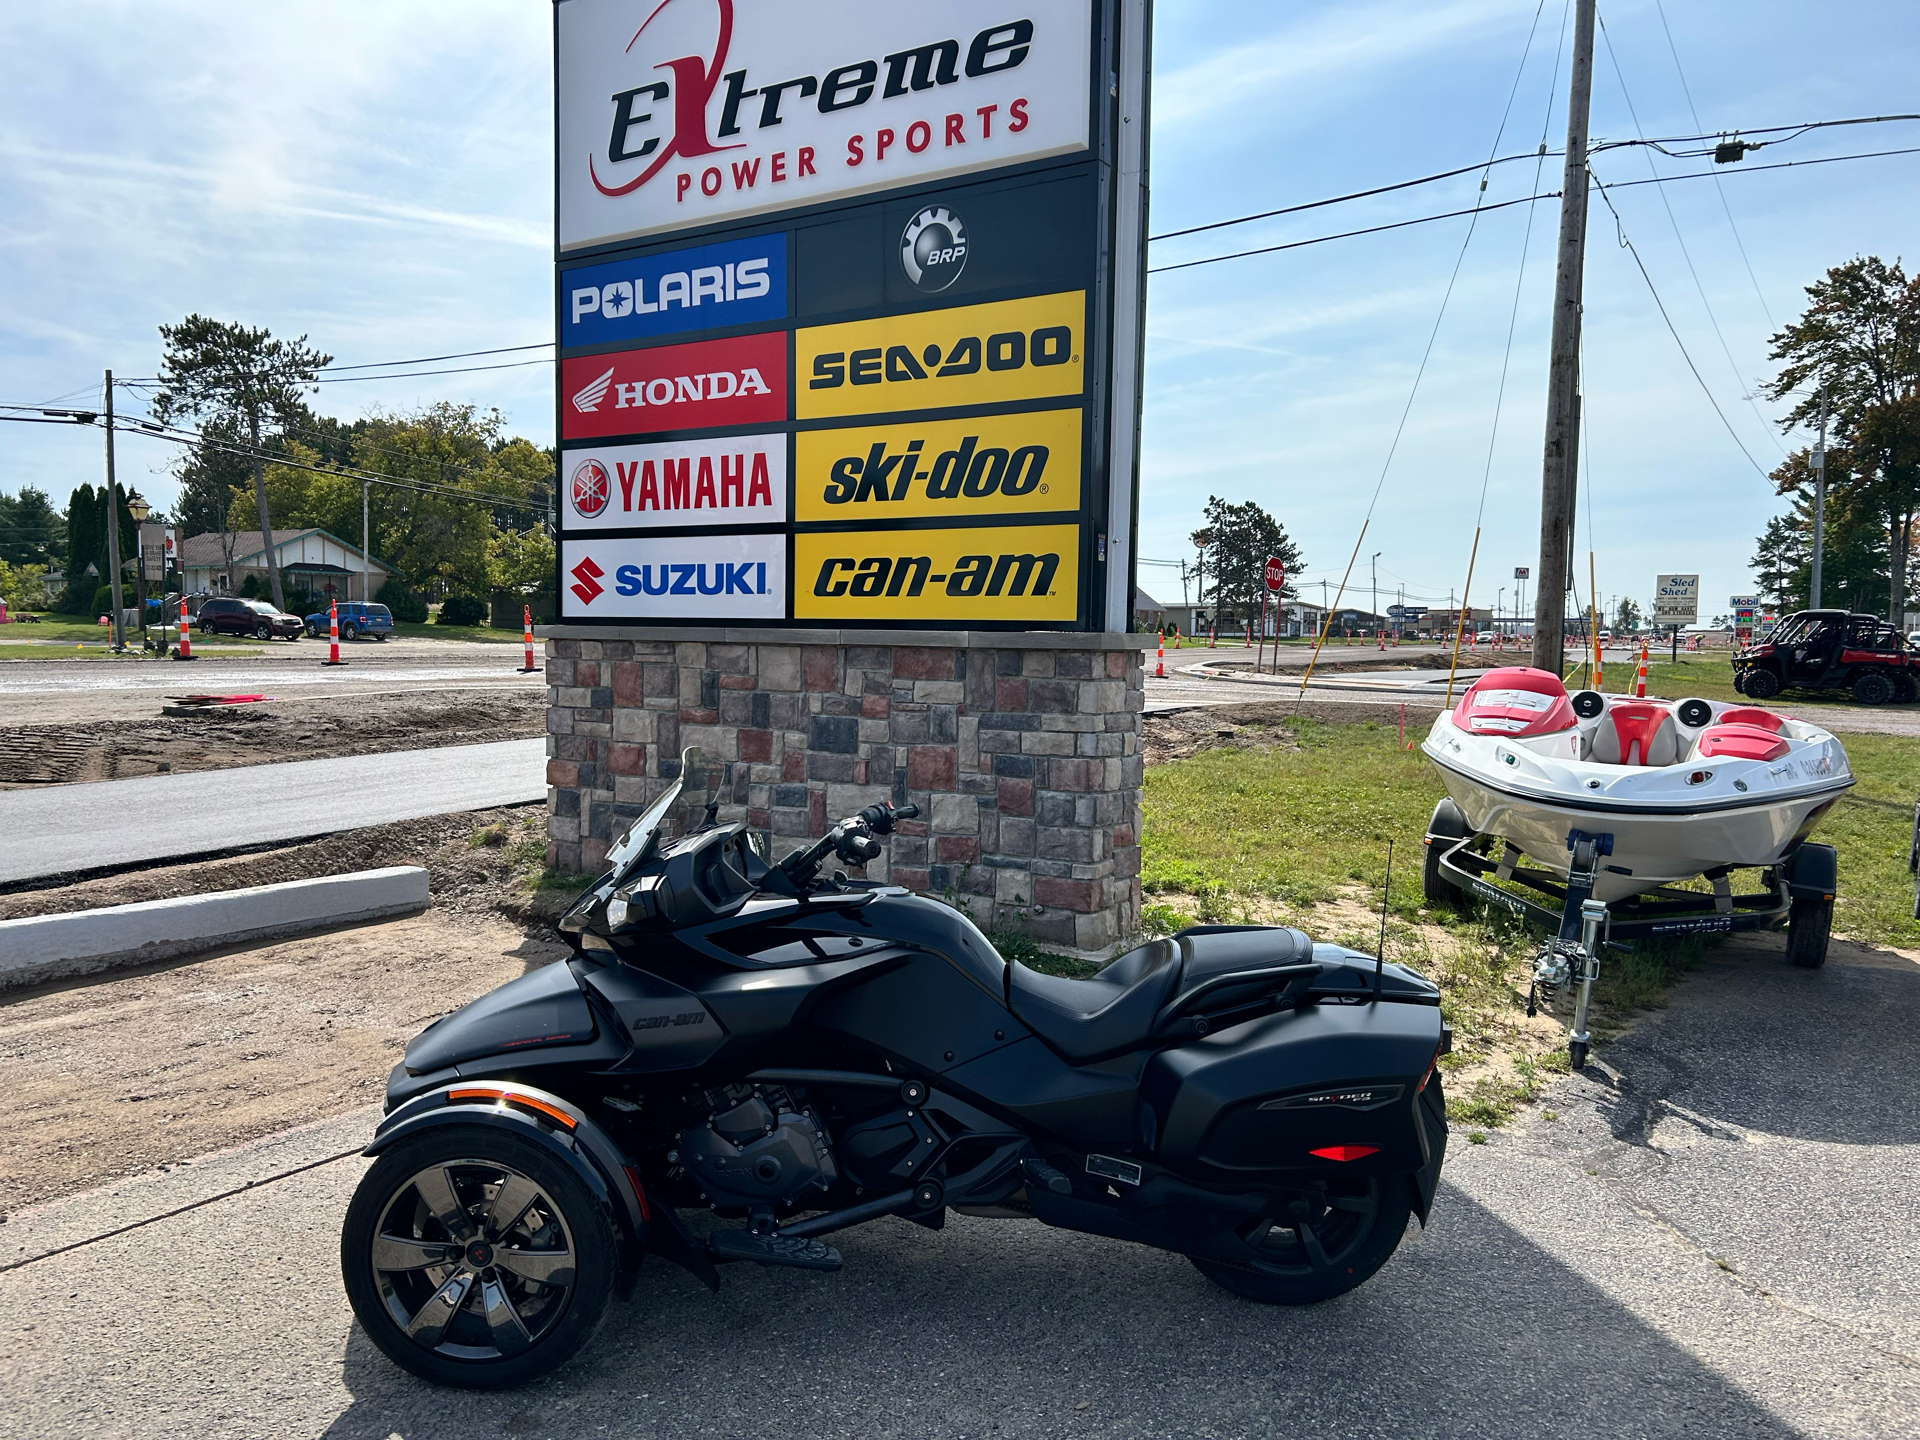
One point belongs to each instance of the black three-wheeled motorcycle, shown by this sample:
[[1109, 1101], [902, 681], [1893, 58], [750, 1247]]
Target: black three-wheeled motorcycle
[[799, 1054]]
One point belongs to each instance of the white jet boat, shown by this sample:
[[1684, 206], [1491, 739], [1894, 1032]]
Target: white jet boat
[[1620, 800], [1684, 787]]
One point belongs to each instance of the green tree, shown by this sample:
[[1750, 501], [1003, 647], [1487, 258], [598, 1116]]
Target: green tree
[[1628, 618], [87, 545], [31, 531], [216, 370], [521, 559], [1241, 537], [1855, 561], [1860, 337], [21, 587]]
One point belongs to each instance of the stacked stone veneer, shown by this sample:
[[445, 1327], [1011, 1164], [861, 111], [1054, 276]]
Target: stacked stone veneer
[[1022, 753]]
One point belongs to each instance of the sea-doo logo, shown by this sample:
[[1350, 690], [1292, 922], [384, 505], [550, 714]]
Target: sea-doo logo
[[590, 488], [1002, 573], [1010, 350], [989, 465], [933, 249], [676, 387], [586, 576]]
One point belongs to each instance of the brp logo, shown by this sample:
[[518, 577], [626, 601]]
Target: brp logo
[[587, 584], [933, 249], [591, 488]]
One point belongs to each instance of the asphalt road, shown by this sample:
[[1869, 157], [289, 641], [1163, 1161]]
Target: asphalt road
[[67, 828], [1713, 1239]]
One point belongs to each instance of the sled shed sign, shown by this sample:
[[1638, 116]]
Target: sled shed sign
[[1676, 599], [849, 297]]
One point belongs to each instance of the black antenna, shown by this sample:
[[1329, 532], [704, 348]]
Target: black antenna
[[1380, 956]]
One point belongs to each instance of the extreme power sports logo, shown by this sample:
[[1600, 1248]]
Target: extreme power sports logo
[[739, 381], [675, 577], [684, 112]]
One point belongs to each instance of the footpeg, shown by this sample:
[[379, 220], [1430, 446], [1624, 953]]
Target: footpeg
[[1038, 1172], [799, 1254]]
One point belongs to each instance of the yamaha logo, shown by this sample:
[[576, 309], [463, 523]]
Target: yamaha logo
[[591, 488], [933, 249]]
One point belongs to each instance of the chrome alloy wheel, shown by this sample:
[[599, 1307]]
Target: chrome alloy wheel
[[473, 1260]]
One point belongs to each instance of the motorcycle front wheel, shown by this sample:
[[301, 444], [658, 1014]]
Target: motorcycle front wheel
[[1318, 1247], [476, 1259]]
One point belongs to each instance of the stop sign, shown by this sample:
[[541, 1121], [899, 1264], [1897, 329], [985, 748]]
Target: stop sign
[[1276, 572]]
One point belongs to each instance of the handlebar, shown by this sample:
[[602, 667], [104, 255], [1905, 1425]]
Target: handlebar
[[852, 840]]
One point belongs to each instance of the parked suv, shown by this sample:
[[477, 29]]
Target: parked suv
[[227, 615], [1829, 650], [357, 618]]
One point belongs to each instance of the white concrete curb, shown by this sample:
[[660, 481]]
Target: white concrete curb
[[47, 947]]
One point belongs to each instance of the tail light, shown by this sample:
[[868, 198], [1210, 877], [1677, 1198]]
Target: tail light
[[1345, 1152]]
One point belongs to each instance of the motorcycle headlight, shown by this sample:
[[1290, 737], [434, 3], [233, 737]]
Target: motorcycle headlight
[[617, 910]]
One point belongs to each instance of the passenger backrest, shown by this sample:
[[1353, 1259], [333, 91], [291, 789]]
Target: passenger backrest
[[1634, 732]]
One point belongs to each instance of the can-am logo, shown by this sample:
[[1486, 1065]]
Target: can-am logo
[[933, 249], [715, 480], [740, 381], [992, 575], [681, 112]]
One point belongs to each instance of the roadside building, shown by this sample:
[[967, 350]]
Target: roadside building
[[1149, 615], [314, 562], [1300, 621]]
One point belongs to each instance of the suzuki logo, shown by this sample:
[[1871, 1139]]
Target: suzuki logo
[[588, 397], [587, 577]]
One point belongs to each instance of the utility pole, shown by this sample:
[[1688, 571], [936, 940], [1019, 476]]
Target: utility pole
[[366, 548], [1819, 498], [1557, 475], [1374, 566], [113, 528]]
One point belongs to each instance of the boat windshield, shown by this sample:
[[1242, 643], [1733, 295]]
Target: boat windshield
[[638, 842]]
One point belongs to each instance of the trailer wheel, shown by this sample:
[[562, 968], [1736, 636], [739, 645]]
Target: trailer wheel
[[1809, 924], [1873, 687], [1446, 826], [1761, 685]]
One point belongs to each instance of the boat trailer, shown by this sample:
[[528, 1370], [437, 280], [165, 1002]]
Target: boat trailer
[[1582, 927]]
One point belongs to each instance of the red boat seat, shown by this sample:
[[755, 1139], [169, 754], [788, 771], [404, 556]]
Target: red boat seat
[[1515, 700], [1739, 742], [1750, 715], [1636, 732]]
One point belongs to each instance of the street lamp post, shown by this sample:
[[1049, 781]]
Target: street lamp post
[[138, 508]]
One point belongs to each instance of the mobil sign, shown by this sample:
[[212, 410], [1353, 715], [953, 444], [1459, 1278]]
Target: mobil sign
[[678, 113]]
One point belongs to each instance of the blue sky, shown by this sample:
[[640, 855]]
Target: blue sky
[[378, 176]]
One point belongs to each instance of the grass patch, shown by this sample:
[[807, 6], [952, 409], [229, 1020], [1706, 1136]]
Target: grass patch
[[479, 634]]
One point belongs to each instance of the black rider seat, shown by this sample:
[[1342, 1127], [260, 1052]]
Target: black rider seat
[[1113, 1012]]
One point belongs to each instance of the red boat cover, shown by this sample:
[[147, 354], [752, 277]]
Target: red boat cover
[[1750, 715], [1739, 742], [1515, 700]]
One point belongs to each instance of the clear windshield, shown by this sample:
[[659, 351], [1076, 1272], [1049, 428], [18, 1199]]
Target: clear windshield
[[638, 842]]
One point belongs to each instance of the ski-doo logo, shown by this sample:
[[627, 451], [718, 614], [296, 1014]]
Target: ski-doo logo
[[676, 387], [589, 489], [685, 577], [933, 249], [586, 577], [993, 465], [1002, 573], [975, 354]]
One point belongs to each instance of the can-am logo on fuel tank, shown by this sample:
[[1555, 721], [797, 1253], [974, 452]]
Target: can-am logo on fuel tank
[[686, 112], [933, 249]]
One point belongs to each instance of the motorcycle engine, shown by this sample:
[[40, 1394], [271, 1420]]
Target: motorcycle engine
[[766, 1149]]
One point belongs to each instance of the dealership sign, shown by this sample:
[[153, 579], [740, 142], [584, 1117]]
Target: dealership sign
[[677, 113], [1676, 599], [849, 307]]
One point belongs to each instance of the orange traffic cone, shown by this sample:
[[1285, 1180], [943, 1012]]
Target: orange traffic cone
[[526, 620], [1160, 658], [183, 650], [1213, 636], [1640, 681], [333, 634]]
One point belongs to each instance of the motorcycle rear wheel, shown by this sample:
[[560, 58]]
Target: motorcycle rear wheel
[[521, 1293], [1319, 1259]]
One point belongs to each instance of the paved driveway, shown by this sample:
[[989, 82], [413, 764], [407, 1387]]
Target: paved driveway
[[1715, 1238]]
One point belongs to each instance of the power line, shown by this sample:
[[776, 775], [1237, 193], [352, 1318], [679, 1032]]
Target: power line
[[1349, 234], [435, 359], [1694, 111], [1627, 245], [1685, 253]]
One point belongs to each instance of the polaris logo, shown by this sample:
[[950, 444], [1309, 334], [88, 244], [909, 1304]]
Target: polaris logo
[[679, 578], [1008, 350], [965, 470], [908, 575], [719, 284]]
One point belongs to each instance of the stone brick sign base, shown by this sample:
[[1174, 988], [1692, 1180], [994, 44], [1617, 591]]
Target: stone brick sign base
[[1022, 752]]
